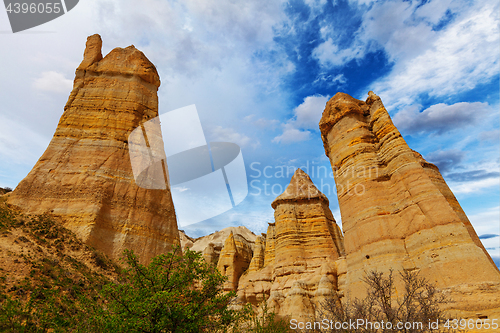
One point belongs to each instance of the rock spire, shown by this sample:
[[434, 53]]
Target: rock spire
[[85, 175], [397, 211]]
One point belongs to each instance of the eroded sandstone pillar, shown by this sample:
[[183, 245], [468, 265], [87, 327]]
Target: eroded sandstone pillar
[[85, 175], [234, 259], [302, 250], [397, 211]]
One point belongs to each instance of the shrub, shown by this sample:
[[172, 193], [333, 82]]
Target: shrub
[[176, 292], [420, 303], [262, 321]]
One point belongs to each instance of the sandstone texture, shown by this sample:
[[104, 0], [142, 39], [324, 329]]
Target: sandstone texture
[[302, 247], [211, 245], [85, 176], [234, 259], [185, 241], [398, 213]]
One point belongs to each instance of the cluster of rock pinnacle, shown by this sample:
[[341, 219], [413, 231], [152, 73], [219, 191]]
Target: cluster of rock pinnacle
[[406, 219]]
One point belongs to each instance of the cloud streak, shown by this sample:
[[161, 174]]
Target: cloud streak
[[306, 118], [440, 118]]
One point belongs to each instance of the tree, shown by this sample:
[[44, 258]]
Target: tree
[[176, 292], [420, 303]]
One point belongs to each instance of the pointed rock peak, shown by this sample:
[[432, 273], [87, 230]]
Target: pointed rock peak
[[337, 107], [230, 241], [127, 61], [301, 187], [92, 53], [372, 98]]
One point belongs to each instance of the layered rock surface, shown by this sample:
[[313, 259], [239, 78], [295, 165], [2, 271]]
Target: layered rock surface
[[302, 248], [397, 211], [234, 259], [85, 175], [230, 249]]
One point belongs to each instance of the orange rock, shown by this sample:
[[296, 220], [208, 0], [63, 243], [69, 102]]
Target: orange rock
[[307, 243], [234, 259], [397, 211], [85, 175], [258, 255]]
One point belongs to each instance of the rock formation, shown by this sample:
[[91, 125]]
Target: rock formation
[[211, 245], [85, 175], [302, 248], [397, 211], [257, 261], [185, 241]]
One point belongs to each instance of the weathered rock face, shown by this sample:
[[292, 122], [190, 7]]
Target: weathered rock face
[[211, 245], [258, 254], [234, 259], [397, 211], [186, 242], [302, 248], [85, 175]]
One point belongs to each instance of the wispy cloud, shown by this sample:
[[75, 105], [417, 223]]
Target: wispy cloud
[[445, 160], [306, 118], [462, 56], [226, 134], [440, 118], [53, 82]]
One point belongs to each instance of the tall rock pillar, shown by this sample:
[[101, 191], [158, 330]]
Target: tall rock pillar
[[301, 253], [397, 211], [85, 176]]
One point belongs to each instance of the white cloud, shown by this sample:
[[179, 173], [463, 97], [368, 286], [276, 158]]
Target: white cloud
[[329, 55], [387, 25], [446, 159], [193, 35], [180, 188], [306, 117], [425, 60], [464, 55], [330, 79], [493, 135], [474, 186], [222, 134], [261, 122], [391, 25], [53, 82], [291, 134], [19, 144], [487, 222], [440, 118], [308, 114]]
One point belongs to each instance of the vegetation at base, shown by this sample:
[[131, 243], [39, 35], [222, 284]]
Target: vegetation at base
[[420, 303], [176, 292], [47, 298], [261, 321]]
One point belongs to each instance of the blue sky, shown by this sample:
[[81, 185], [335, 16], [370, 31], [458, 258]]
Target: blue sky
[[260, 74]]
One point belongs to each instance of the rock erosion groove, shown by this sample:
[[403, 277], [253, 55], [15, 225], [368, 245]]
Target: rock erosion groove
[[85, 176]]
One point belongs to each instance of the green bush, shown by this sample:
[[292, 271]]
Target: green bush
[[176, 292]]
